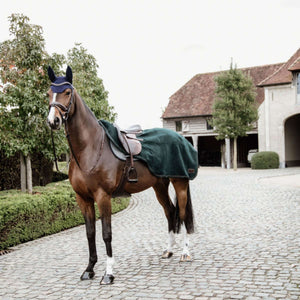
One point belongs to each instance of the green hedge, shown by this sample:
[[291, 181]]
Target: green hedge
[[50, 209], [265, 160]]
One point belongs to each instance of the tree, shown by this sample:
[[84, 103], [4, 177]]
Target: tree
[[88, 84], [23, 104], [23, 85], [234, 109]]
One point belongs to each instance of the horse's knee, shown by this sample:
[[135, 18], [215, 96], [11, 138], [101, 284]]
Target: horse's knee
[[90, 234], [107, 238]]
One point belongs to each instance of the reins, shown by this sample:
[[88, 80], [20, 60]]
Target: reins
[[54, 152]]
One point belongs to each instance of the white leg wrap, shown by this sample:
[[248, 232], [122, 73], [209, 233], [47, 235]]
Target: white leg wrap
[[186, 243], [109, 265], [171, 241]]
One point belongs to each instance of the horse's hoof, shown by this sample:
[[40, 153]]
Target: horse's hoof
[[167, 254], [107, 279], [185, 258], [87, 275]]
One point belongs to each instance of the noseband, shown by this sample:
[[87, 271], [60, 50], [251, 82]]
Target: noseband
[[63, 110]]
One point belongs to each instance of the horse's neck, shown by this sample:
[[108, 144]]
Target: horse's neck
[[84, 132]]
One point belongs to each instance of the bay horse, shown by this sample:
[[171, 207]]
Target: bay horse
[[94, 174]]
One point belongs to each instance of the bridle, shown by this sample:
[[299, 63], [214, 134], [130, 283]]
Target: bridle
[[63, 110], [64, 113]]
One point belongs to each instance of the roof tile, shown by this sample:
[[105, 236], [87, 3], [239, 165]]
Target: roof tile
[[196, 97], [284, 74]]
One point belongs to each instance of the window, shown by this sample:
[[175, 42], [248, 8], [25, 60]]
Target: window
[[178, 125], [208, 124], [185, 126]]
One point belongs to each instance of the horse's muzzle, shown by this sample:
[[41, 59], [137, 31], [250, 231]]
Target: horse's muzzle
[[54, 124]]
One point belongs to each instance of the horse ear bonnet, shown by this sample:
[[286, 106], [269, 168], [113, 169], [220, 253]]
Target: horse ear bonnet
[[69, 75], [51, 74], [59, 84]]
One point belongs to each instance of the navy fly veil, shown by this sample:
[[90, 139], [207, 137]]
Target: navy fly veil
[[59, 84]]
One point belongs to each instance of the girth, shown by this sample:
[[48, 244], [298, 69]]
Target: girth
[[129, 173], [119, 191]]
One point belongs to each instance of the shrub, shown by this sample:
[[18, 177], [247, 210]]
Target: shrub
[[50, 209], [265, 160]]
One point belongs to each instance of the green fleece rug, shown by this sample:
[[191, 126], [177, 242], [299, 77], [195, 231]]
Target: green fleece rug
[[166, 153]]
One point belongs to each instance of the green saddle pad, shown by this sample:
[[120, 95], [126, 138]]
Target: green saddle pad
[[166, 153]]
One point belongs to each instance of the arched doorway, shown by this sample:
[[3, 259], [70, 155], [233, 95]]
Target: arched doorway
[[292, 141]]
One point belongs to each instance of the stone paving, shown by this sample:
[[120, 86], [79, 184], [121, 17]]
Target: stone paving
[[247, 246]]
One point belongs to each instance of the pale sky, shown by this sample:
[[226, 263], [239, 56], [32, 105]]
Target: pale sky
[[147, 50]]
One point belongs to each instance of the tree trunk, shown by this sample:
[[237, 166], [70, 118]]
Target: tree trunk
[[228, 153], [23, 172], [29, 174], [235, 153]]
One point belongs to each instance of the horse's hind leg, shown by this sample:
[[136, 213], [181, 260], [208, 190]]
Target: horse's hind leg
[[184, 214], [162, 195], [88, 211]]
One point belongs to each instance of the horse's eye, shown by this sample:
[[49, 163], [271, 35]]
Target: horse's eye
[[68, 93]]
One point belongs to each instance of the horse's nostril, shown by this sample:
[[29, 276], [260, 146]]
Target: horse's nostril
[[56, 120]]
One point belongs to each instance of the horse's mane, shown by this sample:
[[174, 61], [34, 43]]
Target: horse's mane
[[86, 107]]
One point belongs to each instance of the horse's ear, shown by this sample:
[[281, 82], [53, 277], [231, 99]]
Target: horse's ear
[[51, 74], [69, 74]]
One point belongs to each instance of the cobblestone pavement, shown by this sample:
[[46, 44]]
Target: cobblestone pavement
[[247, 246]]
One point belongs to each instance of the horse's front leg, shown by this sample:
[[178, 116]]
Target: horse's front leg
[[104, 205], [88, 210]]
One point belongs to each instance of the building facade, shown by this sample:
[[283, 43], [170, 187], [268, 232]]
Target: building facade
[[278, 96], [279, 114]]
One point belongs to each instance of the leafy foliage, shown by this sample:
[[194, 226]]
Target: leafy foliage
[[265, 160], [23, 105], [89, 86], [234, 110]]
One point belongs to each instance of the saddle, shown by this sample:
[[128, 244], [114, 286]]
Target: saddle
[[132, 146], [128, 138]]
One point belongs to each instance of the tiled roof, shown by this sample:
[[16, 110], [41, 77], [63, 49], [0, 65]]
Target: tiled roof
[[196, 97], [284, 74]]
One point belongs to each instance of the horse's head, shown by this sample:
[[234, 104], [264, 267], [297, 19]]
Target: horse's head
[[60, 98]]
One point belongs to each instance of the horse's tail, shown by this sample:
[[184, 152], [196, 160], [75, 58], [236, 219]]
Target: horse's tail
[[189, 215]]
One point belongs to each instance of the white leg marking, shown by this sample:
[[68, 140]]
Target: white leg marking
[[186, 243], [51, 114], [171, 241], [109, 265]]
